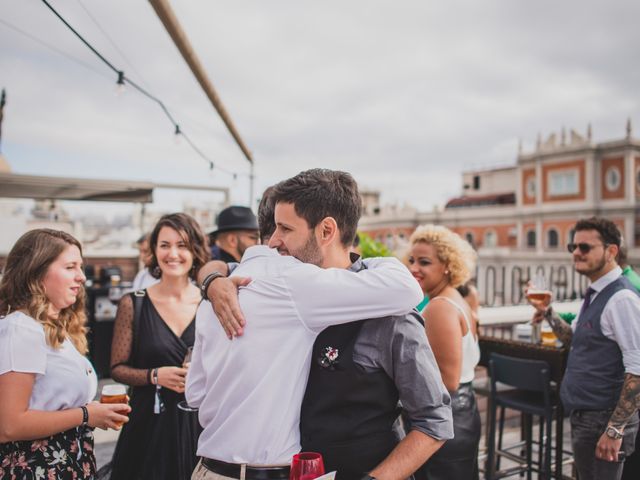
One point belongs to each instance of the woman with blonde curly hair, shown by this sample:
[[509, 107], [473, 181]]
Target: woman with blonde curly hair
[[46, 383], [441, 261]]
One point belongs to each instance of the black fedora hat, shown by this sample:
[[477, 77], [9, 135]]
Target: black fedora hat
[[235, 218]]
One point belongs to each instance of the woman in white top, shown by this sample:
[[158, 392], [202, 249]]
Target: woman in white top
[[441, 261], [46, 383]]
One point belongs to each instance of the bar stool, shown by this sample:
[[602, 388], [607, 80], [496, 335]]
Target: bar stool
[[532, 396]]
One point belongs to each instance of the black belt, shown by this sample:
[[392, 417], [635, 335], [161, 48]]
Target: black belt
[[251, 473]]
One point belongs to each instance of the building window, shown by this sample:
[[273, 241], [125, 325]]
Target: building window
[[612, 179], [553, 240], [572, 232], [563, 182], [531, 239], [531, 187], [469, 238], [490, 239], [476, 182]]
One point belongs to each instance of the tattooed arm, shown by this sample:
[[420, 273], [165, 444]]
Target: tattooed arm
[[561, 328], [629, 402], [608, 448]]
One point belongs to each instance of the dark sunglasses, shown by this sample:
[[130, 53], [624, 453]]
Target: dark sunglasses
[[583, 247]]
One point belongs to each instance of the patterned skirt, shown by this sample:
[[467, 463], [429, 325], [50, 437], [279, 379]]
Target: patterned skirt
[[63, 456]]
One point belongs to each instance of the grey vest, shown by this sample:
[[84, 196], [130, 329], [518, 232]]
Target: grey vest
[[595, 373]]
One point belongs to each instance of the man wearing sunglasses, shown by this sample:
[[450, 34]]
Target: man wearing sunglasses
[[601, 386]]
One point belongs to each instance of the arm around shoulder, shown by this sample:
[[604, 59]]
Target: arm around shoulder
[[331, 296]]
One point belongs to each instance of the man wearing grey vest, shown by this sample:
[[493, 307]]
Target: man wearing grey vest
[[601, 386]]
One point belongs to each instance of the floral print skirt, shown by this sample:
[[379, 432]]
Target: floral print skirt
[[63, 456]]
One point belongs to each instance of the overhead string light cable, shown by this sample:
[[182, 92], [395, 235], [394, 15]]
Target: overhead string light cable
[[123, 78]]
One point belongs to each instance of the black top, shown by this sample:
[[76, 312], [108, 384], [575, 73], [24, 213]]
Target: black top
[[148, 443]]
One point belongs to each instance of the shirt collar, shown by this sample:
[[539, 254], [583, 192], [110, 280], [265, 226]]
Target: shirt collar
[[259, 251], [356, 262], [606, 279]]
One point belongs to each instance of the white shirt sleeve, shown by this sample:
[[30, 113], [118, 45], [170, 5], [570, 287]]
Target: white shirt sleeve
[[196, 376], [331, 296], [620, 322], [23, 347]]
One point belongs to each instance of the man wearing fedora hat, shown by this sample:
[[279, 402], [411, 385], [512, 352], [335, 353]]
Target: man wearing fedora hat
[[237, 231]]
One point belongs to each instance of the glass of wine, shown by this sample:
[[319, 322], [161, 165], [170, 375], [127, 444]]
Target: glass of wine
[[187, 358], [306, 466]]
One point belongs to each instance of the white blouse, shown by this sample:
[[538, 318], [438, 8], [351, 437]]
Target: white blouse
[[64, 378]]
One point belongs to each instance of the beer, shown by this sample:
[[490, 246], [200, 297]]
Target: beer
[[539, 295], [548, 336], [114, 394]]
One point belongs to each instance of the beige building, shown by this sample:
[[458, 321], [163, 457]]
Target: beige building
[[520, 217]]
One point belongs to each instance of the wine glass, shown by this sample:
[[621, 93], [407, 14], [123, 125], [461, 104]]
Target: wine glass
[[306, 466], [187, 358]]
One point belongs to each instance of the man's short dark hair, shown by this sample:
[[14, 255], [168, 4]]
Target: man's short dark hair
[[266, 222], [608, 231], [319, 193]]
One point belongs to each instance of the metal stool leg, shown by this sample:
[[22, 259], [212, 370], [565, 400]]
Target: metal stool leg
[[500, 432], [490, 467], [529, 445], [541, 450]]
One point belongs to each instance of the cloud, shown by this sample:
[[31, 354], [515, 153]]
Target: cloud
[[404, 95]]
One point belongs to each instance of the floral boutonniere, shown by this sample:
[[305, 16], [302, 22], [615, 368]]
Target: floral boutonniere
[[329, 358]]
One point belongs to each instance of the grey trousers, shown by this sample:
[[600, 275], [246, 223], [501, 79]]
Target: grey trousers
[[586, 428]]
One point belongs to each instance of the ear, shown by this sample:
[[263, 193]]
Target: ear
[[327, 231], [613, 250]]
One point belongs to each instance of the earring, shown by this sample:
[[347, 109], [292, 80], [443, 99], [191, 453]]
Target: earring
[[157, 272]]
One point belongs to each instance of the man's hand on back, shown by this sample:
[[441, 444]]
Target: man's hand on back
[[223, 295]]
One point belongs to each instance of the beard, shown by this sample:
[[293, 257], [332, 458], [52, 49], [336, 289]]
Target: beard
[[310, 252], [593, 268]]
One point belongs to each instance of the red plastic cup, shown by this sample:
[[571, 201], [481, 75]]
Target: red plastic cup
[[306, 466]]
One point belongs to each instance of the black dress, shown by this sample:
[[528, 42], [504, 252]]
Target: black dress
[[148, 444]]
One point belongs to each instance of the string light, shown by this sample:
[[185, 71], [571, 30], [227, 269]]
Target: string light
[[120, 85], [120, 89]]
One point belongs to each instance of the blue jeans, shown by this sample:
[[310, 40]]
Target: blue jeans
[[586, 428]]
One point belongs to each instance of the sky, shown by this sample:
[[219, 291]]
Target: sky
[[404, 95]]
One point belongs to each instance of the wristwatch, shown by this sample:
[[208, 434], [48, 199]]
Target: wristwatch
[[613, 432], [207, 281]]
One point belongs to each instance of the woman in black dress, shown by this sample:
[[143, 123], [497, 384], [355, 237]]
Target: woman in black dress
[[153, 330]]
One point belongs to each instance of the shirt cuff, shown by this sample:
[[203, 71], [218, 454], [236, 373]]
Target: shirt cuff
[[631, 361], [438, 426]]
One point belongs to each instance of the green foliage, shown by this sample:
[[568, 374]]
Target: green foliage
[[371, 248]]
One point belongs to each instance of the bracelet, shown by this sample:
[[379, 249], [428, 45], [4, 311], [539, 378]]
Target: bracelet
[[207, 281], [85, 416], [149, 379]]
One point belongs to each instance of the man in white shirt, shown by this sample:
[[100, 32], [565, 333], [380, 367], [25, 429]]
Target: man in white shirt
[[249, 391], [601, 386], [143, 278]]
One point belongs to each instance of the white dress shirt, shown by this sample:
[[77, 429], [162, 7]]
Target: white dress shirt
[[64, 378], [143, 279], [620, 320], [249, 390]]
